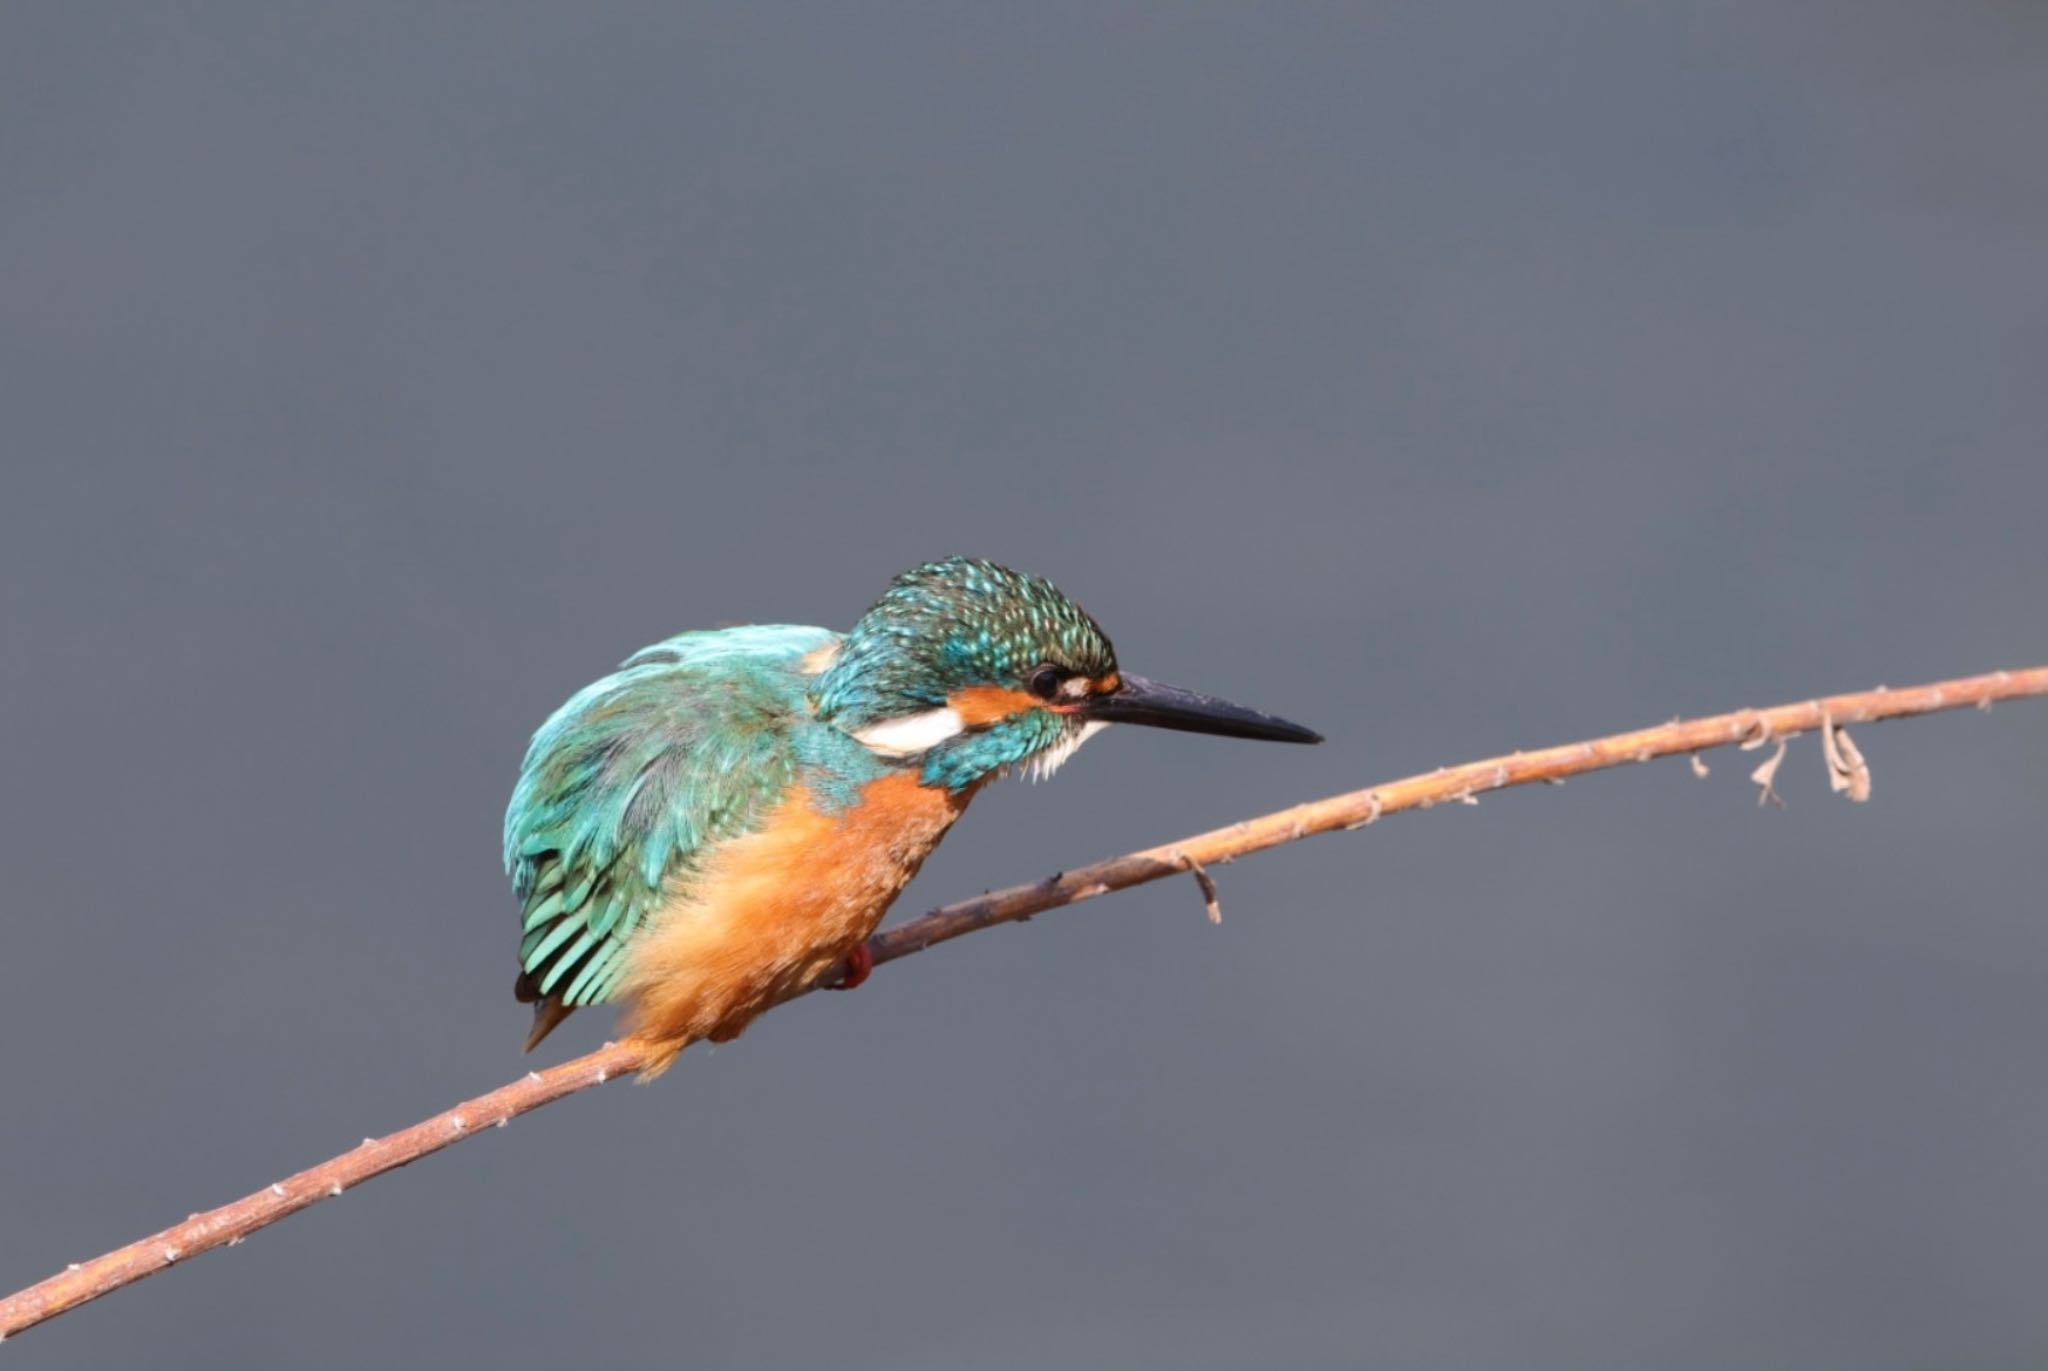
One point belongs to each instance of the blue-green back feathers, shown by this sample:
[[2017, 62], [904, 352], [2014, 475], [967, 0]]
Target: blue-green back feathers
[[629, 783]]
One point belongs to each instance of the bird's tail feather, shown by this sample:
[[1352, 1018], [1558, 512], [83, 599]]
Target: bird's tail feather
[[548, 1010]]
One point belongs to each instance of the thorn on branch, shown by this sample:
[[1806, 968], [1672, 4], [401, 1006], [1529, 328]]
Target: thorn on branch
[[1373, 806]]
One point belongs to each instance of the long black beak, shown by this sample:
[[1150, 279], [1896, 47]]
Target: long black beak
[[1139, 701]]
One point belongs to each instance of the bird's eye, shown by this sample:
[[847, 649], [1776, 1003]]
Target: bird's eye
[[1045, 682]]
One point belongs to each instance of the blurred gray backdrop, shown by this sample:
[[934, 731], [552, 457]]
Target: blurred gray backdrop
[[1452, 377]]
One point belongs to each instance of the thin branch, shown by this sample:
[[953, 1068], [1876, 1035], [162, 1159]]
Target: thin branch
[[231, 1223]]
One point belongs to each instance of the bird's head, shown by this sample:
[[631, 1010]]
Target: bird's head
[[966, 669]]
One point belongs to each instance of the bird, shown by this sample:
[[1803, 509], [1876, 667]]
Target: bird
[[723, 820]]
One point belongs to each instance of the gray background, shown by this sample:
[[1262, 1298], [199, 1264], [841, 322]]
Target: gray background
[[1453, 377]]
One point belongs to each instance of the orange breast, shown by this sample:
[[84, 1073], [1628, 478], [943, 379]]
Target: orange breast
[[771, 912]]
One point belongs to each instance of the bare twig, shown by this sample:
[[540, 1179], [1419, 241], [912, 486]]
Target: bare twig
[[1212, 903], [231, 1223]]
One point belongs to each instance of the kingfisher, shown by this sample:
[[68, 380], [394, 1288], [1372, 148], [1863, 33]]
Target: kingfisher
[[724, 820]]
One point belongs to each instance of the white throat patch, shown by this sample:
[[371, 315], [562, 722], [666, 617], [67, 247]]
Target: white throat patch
[[1041, 766]]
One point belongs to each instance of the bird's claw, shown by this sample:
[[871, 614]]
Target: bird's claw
[[860, 964]]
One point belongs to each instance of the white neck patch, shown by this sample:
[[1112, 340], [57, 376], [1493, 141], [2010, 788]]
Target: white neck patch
[[912, 733]]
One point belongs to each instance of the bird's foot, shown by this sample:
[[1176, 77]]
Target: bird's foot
[[860, 964]]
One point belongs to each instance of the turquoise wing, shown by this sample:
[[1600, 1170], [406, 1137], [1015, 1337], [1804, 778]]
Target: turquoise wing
[[629, 783]]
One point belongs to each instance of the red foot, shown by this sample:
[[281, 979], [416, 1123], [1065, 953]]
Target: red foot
[[860, 964]]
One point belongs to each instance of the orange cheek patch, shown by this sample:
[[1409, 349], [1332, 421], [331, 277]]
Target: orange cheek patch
[[981, 705]]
